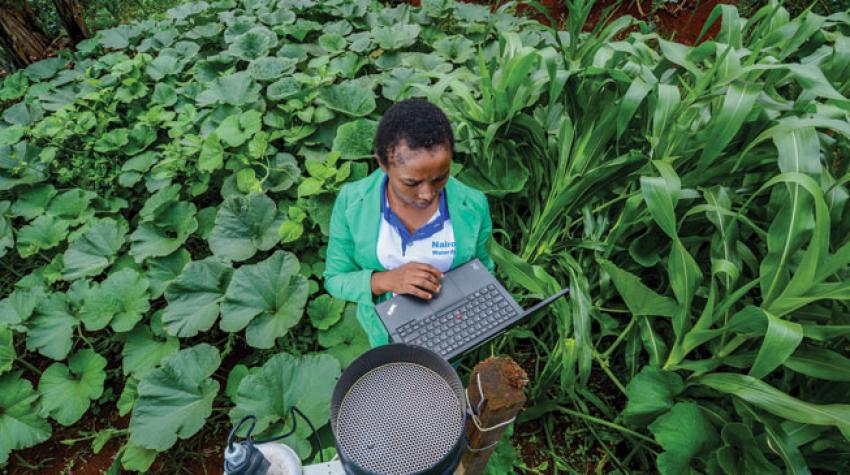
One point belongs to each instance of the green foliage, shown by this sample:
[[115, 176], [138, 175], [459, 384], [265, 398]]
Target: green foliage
[[267, 299], [284, 381], [20, 424], [172, 180], [683, 432], [66, 391], [175, 399]]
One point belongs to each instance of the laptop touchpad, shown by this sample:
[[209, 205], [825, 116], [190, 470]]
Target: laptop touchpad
[[448, 294]]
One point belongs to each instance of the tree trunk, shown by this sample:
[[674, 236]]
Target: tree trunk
[[71, 14], [21, 35]]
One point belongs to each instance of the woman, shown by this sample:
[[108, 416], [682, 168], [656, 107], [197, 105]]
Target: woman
[[399, 229]]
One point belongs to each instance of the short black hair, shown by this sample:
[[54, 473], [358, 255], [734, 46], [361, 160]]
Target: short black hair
[[417, 122]]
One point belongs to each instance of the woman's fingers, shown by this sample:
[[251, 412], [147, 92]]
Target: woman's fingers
[[414, 290], [431, 270], [425, 283], [421, 280], [428, 277]]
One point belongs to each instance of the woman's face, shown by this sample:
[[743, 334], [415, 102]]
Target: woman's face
[[416, 177]]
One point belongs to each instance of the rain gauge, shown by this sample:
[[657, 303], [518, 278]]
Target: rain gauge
[[396, 410]]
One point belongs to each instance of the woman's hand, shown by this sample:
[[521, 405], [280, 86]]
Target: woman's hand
[[414, 278]]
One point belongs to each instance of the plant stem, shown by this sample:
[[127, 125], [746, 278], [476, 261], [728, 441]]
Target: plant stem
[[612, 310], [619, 339], [29, 366], [605, 423], [603, 363], [113, 431], [733, 345], [83, 337], [608, 453]]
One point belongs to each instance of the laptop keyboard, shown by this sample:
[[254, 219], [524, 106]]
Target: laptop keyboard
[[474, 316]]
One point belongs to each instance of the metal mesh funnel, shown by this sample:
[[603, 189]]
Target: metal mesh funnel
[[398, 410]]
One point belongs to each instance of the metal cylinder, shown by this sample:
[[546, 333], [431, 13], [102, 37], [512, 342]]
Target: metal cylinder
[[399, 410]]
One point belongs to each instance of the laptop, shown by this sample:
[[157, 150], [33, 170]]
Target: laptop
[[471, 308]]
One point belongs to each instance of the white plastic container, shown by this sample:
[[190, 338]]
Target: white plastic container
[[282, 459]]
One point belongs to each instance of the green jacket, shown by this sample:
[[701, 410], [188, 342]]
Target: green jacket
[[352, 249]]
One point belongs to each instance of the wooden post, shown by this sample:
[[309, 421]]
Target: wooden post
[[502, 382]]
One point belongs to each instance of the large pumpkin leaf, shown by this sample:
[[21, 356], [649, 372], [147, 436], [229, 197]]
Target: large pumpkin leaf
[[350, 98], [396, 36], [33, 202], [160, 201], [95, 250], [20, 165], [267, 297], [7, 238], [283, 89], [251, 45], [164, 65], [120, 301], [175, 399], [188, 10], [134, 168], [324, 311], [20, 424], [332, 42], [45, 69], [112, 141], [354, 139], [136, 458], [345, 340], [212, 154], [66, 391], [245, 225], [684, 433], [284, 381], [270, 67], [141, 137], [7, 349], [163, 270], [456, 49], [73, 206], [194, 297], [396, 84], [128, 396], [144, 351], [650, 394], [283, 172], [22, 114], [119, 37], [166, 235], [45, 232], [236, 89], [51, 327], [238, 128], [347, 65], [19, 305]]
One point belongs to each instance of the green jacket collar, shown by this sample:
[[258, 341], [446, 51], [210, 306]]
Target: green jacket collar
[[365, 218]]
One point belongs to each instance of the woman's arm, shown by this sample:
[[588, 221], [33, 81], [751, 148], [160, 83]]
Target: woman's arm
[[344, 279]]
